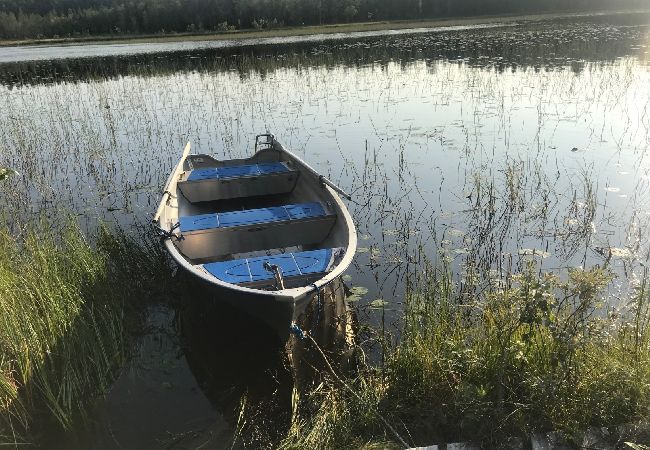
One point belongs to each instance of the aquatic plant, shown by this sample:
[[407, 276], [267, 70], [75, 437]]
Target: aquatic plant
[[5, 172], [69, 308], [538, 354]]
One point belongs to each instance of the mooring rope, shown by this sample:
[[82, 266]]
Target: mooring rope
[[164, 234], [357, 396], [294, 328]]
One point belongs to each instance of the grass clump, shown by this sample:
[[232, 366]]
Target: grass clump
[[67, 310], [536, 354]]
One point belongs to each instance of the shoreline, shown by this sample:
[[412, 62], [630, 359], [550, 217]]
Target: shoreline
[[312, 29]]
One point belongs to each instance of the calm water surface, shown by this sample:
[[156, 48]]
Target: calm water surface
[[488, 147]]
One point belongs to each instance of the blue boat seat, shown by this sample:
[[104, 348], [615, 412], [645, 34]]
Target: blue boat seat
[[250, 217], [212, 173], [211, 236], [251, 270], [228, 182]]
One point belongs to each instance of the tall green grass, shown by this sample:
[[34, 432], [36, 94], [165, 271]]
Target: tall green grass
[[535, 354], [68, 309]]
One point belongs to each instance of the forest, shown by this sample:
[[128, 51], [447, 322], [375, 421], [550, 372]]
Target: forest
[[33, 19]]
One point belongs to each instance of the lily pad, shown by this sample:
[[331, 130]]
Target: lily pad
[[5, 172], [620, 252], [363, 249], [533, 252], [347, 278], [378, 303], [356, 293], [455, 232]]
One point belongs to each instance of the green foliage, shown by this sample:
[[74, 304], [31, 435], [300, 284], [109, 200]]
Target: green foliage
[[68, 310], [69, 18], [540, 354], [6, 173]]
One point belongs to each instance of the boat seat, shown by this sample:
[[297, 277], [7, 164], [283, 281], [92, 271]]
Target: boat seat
[[210, 236], [297, 268], [228, 182]]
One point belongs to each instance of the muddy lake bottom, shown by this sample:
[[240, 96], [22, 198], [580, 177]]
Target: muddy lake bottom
[[483, 148]]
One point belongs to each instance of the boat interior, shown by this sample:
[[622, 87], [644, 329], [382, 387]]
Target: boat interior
[[266, 222]]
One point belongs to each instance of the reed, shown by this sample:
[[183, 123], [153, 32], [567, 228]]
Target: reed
[[69, 308], [537, 354]]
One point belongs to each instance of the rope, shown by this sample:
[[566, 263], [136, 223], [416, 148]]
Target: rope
[[164, 234], [353, 392], [294, 328]]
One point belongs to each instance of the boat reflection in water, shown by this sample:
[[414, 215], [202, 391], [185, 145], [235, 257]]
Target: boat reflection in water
[[248, 373]]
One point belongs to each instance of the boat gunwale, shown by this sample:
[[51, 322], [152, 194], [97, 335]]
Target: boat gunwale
[[285, 295]]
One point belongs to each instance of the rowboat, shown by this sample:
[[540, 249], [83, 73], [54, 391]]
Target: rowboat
[[266, 233]]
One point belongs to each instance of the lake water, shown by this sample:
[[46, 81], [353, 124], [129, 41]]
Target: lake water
[[486, 146]]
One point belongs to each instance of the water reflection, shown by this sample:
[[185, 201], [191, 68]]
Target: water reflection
[[543, 46], [482, 148], [238, 363]]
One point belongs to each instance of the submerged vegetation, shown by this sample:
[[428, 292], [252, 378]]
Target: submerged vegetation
[[528, 353], [532, 355], [487, 144], [68, 310]]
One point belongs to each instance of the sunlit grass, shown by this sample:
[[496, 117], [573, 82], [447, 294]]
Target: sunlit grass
[[539, 354], [69, 308], [470, 151]]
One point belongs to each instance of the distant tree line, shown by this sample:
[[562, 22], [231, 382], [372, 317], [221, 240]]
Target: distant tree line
[[21, 19]]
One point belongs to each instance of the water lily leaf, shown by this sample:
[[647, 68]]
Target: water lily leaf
[[356, 293], [455, 232], [347, 278], [363, 249], [378, 303], [359, 290], [620, 252], [5, 172], [533, 252]]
